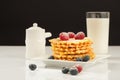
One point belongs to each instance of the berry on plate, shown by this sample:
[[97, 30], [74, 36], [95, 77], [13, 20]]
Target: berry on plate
[[78, 59], [32, 67], [73, 71], [80, 35], [71, 34], [51, 57], [64, 36], [65, 70], [86, 58]]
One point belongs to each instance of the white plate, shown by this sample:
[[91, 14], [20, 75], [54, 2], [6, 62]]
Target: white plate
[[62, 63]]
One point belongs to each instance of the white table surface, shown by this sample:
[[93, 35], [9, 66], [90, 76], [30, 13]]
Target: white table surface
[[13, 67]]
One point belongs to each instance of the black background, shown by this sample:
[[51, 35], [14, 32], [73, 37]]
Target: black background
[[53, 15]]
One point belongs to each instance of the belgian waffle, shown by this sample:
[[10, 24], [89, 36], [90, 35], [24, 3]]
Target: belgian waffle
[[71, 49], [72, 57]]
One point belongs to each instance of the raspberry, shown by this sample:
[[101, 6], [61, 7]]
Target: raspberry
[[80, 35], [64, 36], [79, 67], [71, 34]]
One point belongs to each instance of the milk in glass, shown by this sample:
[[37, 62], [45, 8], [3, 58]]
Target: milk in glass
[[98, 31]]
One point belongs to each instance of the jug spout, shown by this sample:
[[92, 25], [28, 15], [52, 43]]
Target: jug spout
[[48, 34]]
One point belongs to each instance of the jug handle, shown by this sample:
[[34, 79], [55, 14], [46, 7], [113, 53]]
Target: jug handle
[[48, 34]]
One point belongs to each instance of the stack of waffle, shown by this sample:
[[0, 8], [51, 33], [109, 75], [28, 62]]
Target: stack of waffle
[[71, 49]]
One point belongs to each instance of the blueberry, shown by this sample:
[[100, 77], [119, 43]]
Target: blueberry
[[78, 59], [32, 67], [65, 70], [86, 58], [51, 57], [73, 71]]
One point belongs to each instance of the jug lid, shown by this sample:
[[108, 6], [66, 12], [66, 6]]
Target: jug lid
[[35, 27]]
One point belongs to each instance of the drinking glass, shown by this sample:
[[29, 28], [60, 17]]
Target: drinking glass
[[98, 30]]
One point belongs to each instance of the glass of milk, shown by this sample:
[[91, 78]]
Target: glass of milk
[[98, 30]]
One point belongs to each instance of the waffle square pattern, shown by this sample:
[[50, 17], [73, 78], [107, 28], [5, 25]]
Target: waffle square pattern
[[71, 49]]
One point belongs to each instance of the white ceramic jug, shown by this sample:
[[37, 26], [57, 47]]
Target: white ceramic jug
[[35, 41]]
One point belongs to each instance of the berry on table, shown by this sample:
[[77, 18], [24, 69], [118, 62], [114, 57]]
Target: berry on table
[[64, 36], [32, 67], [80, 35], [73, 71], [71, 34], [51, 57], [86, 58], [79, 67], [65, 70]]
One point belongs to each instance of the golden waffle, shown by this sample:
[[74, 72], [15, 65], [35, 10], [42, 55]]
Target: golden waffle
[[72, 57], [71, 49], [71, 43]]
